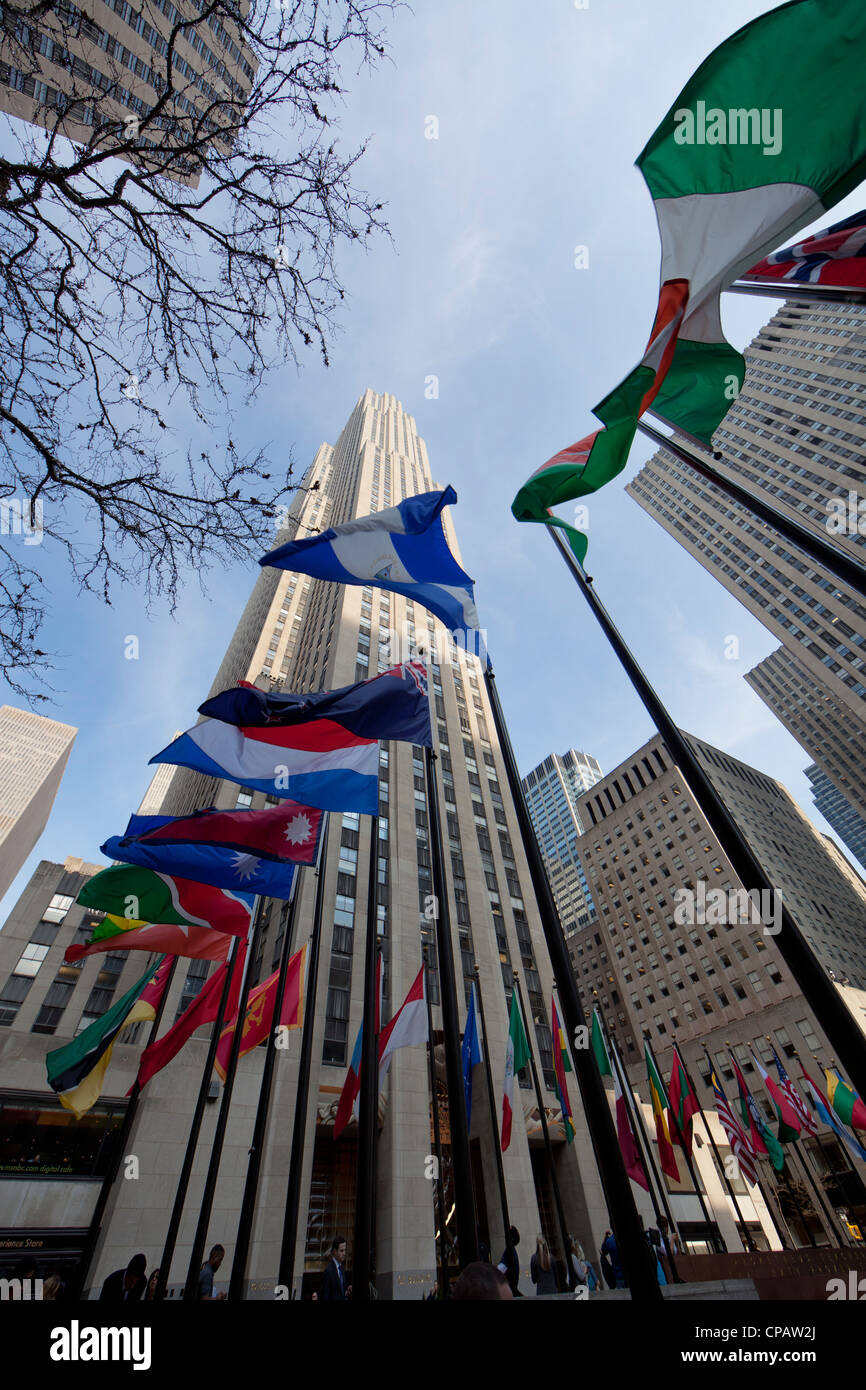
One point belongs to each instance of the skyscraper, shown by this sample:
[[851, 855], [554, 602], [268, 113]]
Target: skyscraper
[[796, 436], [552, 790], [838, 812], [308, 634], [34, 752]]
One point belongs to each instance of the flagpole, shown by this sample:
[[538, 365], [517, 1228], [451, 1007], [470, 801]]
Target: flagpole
[[823, 1207], [467, 1229], [190, 1292], [444, 1282], [747, 1235], [828, 556], [778, 1219], [783, 1175], [257, 1147], [195, 1127], [299, 1126], [801, 294], [119, 1151], [368, 1097], [557, 1196], [491, 1099], [842, 1149], [715, 1234], [820, 994], [615, 1182]]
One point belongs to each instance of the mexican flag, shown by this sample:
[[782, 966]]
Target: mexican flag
[[765, 137], [684, 1104], [667, 1157], [847, 1104], [516, 1057]]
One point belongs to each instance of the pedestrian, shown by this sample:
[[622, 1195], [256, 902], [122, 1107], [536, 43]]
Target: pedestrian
[[582, 1271], [151, 1286], [125, 1285], [206, 1274], [606, 1265], [609, 1248], [509, 1264], [333, 1288], [541, 1268], [670, 1246], [480, 1281]]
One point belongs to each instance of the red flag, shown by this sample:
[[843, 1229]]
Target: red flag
[[260, 1012], [197, 943], [683, 1104], [203, 1009]]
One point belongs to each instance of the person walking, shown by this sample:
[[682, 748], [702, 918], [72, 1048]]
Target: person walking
[[125, 1285], [206, 1274], [609, 1248], [509, 1264], [333, 1288], [541, 1268]]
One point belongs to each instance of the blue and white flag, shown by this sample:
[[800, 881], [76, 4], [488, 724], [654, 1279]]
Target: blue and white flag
[[470, 1053], [402, 549]]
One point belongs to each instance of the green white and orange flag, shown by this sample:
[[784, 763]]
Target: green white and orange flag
[[516, 1057], [847, 1104], [765, 137], [667, 1157]]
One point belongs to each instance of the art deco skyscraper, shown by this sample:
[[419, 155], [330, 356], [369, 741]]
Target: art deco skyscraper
[[551, 791], [34, 752], [307, 635]]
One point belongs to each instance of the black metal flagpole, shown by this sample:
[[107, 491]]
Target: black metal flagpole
[[633, 1248], [491, 1100], [800, 294], [299, 1127], [257, 1146], [750, 1245], [828, 556], [190, 1291], [368, 1099], [467, 1230], [818, 990], [554, 1181], [122, 1139], [715, 1233], [444, 1283]]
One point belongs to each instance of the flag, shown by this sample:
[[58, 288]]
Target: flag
[[667, 1157], [684, 1104], [627, 1142], [561, 1065], [287, 832], [116, 934], [834, 256], [788, 1088], [598, 1047], [825, 1114], [516, 1057], [203, 1009], [402, 549], [407, 1028], [761, 1138], [789, 1119], [211, 864], [320, 748], [347, 1105], [728, 182], [737, 1137], [77, 1070], [143, 896], [260, 1012], [847, 1104], [470, 1053]]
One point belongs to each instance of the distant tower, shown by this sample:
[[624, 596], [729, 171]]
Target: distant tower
[[33, 756], [552, 790]]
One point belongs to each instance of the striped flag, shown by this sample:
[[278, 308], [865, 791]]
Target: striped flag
[[834, 256], [667, 1157], [789, 1118], [796, 1101], [561, 1065], [761, 1137], [825, 1114], [516, 1057], [740, 1146]]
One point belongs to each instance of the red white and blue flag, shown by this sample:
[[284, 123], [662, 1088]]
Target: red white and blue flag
[[321, 748], [737, 1138], [834, 256]]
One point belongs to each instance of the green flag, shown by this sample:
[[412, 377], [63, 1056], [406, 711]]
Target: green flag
[[598, 1048]]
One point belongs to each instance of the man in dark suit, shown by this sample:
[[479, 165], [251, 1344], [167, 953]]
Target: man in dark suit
[[333, 1288], [125, 1285]]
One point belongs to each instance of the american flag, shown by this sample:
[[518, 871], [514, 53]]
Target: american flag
[[801, 1109], [740, 1146]]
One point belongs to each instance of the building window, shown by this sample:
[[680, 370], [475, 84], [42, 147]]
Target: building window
[[57, 908], [30, 960]]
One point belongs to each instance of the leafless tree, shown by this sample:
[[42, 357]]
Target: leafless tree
[[171, 210]]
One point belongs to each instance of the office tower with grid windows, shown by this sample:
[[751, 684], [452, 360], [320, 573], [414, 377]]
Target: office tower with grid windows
[[551, 792], [34, 752], [838, 812], [305, 634], [797, 437], [674, 959]]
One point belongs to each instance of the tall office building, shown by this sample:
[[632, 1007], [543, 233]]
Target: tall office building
[[679, 952], [839, 813], [552, 790], [797, 437], [85, 73], [309, 634], [34, 752], [824, 725]]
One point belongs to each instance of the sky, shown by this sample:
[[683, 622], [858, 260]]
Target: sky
[[541, 114]]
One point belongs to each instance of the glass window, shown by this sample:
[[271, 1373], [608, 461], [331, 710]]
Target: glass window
[[30, 960]]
